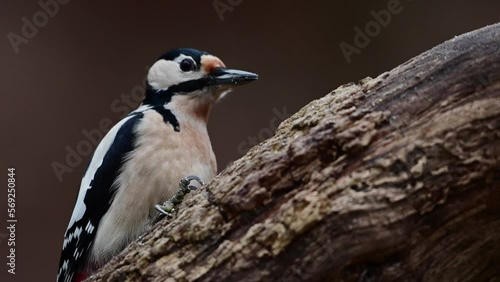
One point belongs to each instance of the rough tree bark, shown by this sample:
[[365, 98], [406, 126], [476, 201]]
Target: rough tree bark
[[395, 178]]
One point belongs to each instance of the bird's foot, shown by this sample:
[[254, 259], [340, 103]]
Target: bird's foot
[[185, 187]]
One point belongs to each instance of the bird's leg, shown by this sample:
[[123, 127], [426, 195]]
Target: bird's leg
[[185, 187]]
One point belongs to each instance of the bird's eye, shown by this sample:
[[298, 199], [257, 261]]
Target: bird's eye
[[187, 65]]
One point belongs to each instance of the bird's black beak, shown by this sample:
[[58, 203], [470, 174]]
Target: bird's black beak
[[223, 76]]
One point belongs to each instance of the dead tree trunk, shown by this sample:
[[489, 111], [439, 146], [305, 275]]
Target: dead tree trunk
[[395, 178]]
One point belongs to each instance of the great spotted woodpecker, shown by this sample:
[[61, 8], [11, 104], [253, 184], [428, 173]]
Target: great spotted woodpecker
[[140, 161]]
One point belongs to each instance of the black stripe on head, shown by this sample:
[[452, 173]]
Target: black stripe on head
[[193, 53], [161, 97]]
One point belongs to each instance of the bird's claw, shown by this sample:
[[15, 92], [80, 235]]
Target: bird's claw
[[166, 209], [185, 183], [185, 187]]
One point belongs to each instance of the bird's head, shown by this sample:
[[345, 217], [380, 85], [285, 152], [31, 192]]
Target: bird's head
[[191, 78]]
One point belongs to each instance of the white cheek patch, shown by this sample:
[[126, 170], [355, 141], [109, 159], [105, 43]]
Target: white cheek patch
[[164, 74]]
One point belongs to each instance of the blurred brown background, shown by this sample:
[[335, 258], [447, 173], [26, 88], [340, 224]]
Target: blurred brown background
[[89, 53]]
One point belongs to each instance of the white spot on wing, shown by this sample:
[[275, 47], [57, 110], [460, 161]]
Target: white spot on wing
[[89, 228], [72, 236], [65, 265], [68, 277]]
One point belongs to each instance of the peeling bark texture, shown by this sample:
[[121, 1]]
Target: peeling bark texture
[[395, 178]]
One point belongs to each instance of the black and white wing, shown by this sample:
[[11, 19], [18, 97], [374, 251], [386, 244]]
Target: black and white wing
[[95, 195]]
